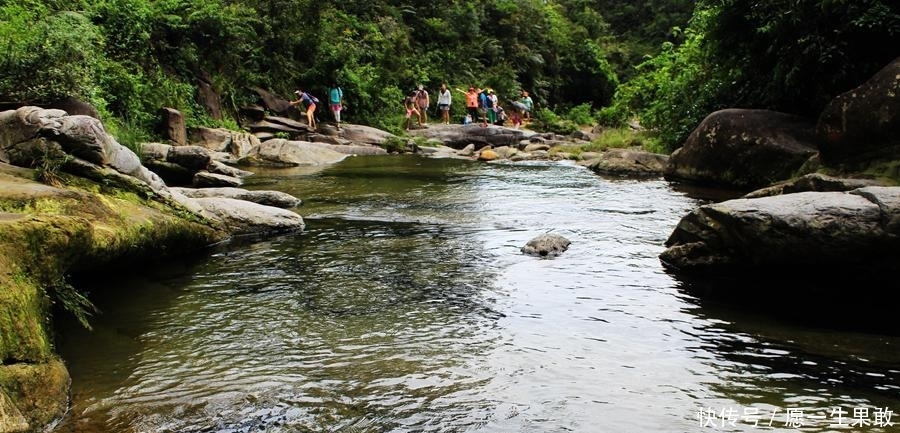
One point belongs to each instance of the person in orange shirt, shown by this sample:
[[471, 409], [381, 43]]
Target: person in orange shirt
[[472, 101]]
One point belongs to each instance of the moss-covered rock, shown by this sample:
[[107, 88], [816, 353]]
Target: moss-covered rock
[[46, 233], [33, 395]]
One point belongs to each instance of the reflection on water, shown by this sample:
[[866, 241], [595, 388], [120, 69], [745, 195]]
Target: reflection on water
[[406, 306]]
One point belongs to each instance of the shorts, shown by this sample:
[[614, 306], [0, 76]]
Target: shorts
[[336, 107], [444, 107], [409, 112]]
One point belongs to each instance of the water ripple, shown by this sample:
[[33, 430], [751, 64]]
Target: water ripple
[[406, 306]]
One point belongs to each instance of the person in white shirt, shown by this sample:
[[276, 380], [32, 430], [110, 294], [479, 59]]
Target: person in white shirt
[[444, 101]]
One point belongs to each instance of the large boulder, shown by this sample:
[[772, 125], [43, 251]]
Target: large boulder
[[215, 139], [180, 165], [459, 136], [32, 135], [268, 198], [208, 97], [177, 165], [863, 123], [817, 182], [77, 228], [74, 106], [190, 157], [83, 137], [205, 179], [82, 147], [271, 101], [275, 125], [744, 149], [244, 217], [25, 124], [173, 126], [362, 134], [823, 230], [284, 153], [627, 162]]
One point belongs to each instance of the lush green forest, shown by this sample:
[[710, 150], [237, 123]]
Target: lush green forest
[[665, 63]]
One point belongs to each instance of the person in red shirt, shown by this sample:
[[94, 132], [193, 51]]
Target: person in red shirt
[[411, 106]]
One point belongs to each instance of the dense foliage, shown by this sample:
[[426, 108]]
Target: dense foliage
[[652, 60], [130, 57], [786, 55]]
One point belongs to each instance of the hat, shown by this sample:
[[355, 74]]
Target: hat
[[297, 92], [490, 90], [420, 87]]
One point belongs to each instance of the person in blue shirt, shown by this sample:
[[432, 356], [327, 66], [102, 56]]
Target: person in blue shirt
[[311, 102], [483, 107], [336, 103]]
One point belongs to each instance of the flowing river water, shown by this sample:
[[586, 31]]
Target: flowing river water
[[406, 306]]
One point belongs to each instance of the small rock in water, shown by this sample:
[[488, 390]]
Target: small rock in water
[[546, 245]]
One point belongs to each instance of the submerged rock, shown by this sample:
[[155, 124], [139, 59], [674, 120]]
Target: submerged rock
[[546, 245], [628, 162]]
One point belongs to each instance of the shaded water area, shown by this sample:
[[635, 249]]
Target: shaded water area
[[406, 306]]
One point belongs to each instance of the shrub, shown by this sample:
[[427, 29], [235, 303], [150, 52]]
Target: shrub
[[48, 56], [549, 121], [581, 115], [395, 144]]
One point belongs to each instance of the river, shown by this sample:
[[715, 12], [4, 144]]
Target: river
[[406, 306]]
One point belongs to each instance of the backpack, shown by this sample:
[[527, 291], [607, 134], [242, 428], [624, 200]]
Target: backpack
[[488, 102]]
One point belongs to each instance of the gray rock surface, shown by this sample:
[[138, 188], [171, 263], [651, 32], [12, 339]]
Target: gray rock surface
[[268, 198], [244, 217], [546, 245], [283, 153], [205, 179], [628, 162], [863, 123], [824, 229], [744, 149], [458, 136]]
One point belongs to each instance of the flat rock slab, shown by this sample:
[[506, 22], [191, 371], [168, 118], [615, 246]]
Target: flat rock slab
[[268, 198], [244, 217]]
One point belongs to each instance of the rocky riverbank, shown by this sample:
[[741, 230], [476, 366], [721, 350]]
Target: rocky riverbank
[[86, 204], [72, 200], [48, 232]]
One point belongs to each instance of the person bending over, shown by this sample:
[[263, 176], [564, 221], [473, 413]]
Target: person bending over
[[311, 102]]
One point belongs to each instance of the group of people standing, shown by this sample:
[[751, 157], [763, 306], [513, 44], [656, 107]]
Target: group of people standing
[[418, 101], [480, 104]]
